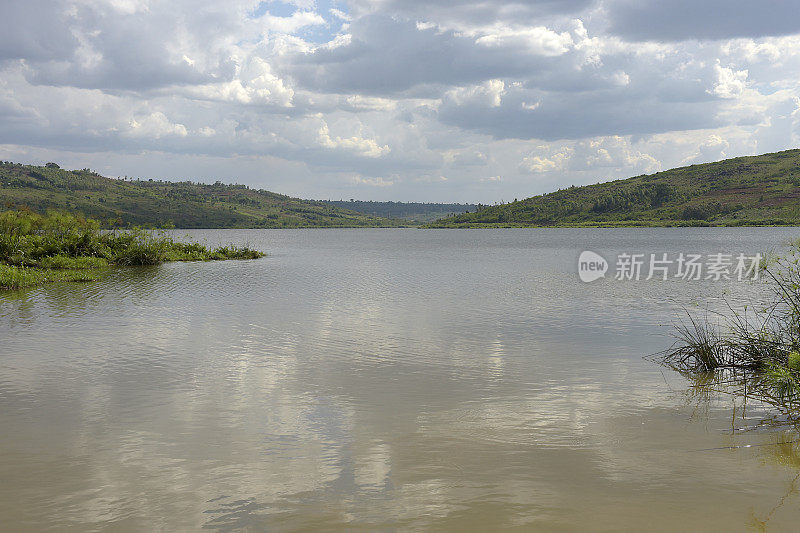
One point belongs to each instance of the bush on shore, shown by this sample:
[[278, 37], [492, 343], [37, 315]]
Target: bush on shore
[[59, 246]]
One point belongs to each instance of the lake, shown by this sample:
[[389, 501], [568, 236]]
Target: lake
[[384, 380]]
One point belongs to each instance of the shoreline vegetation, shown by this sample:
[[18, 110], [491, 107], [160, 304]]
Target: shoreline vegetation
[[37, 249], [753, 354], [623, 224]]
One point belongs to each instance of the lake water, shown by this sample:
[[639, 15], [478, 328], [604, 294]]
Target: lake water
[[383, 380]]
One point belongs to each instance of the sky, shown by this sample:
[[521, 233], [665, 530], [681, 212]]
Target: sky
[[407, 100]]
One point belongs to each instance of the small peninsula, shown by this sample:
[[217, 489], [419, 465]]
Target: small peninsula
[[37, 249]]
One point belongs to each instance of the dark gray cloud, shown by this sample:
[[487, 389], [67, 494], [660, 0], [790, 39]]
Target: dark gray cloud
[[678, 20], [127, 70], [480, 12], [36, 30], [578, 115], [390, 56]]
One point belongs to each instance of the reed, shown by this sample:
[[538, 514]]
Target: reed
[[755, 351]]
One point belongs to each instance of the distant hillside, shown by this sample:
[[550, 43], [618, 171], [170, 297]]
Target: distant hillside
[[757, 190], [414, 212], [183, 204]]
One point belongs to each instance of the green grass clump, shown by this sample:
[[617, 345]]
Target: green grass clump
[[139, 247], [197, 252], [65, 262], [233, 252], [37, 249], [757, 351], [13, 277]]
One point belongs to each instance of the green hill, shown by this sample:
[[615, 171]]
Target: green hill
[[157, 203], [757, 190]]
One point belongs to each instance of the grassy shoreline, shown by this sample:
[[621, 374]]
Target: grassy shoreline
[[37, 249], [621, 224]]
